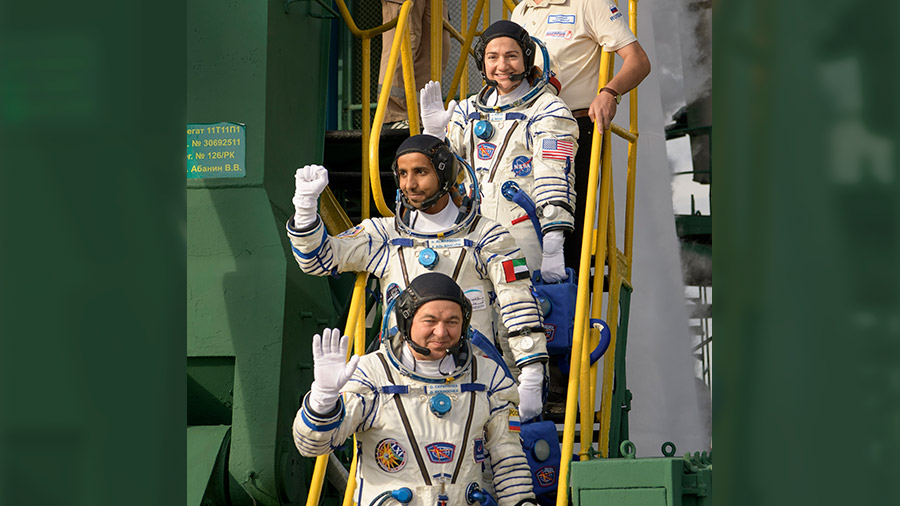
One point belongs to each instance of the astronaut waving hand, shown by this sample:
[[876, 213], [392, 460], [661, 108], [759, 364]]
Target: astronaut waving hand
[[515, 132], [436, 229], [427, 411]]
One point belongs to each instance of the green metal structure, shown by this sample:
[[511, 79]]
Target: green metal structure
[[651, 481], [251, 312]]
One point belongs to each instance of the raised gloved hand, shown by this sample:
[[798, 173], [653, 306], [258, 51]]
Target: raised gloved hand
[[531, 381], [434, 117], [331, 369], [309, 181], [553, 264]]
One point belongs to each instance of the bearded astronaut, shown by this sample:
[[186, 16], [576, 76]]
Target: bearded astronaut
[[427, 408], [434, 232]]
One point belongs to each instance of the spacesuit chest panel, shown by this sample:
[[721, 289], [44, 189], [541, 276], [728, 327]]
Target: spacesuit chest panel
[[503, 157], [440, 447], [453, 257]]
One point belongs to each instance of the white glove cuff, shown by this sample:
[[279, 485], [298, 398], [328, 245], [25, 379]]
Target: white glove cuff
[[532, 375], [304, 217], [553, 243], [322, 401]]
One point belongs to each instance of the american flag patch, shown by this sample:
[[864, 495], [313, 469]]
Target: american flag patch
[[553, 149]]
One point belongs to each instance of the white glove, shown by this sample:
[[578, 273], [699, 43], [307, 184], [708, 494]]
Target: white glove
[[531, 381], [434, 117], [553, 264], [331, 370], [310, 181]]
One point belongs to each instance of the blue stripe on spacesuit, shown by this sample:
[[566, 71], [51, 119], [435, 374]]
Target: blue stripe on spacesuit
[[511, 462], [507, 322], [319, 448], [525, 488], [315, 252], [504, 407], [291, 229], [530, 304], [530, 358], [513, 479], [557, 107], [321, 424]]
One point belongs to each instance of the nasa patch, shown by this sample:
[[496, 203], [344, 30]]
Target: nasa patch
[[390, 455], [478, 452], [440, 453], [546, 476], [521, 166], [351, 232], [486, 150], [391, 293]]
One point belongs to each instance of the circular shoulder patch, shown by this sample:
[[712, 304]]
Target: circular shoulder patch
[[521, 166], [391, 293], [390, 455]]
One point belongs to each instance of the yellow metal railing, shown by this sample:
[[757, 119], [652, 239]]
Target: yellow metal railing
[[355, 327], [336, 218], [365, 36], [601, 244], [582, 376]]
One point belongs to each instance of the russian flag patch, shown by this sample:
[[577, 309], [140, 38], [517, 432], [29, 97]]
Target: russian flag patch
[[514, 424], [515, 269]]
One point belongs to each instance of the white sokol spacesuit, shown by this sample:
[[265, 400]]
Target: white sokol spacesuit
[[427, 425], [527, 137], [481, 256]]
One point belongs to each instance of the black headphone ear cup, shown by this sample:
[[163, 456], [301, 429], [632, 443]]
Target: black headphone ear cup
[[479, 54]]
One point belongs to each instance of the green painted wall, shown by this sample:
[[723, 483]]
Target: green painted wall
[[252, 63]]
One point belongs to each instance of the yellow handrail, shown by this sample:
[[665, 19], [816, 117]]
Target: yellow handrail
[[437, 39], [365, 37], [470, 35], [353, 319], [619, 273], [359, 347], [580, 323], [375, 135], [602, 243]]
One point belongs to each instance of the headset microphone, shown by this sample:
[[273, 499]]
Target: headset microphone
[[418, 349]]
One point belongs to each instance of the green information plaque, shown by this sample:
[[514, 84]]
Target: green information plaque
[[216, 150]]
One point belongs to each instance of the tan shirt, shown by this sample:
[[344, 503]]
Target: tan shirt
[[575, 31]]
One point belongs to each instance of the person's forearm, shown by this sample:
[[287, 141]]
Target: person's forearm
[[635, 67]]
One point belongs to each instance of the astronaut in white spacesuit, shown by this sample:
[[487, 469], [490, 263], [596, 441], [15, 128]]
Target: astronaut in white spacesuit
[[432, 232], [515, 131], [426, 407]]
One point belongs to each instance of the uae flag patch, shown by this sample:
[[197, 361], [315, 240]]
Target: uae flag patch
[[515, 269]]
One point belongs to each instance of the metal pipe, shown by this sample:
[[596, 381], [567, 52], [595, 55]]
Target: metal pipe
[[409, 82], [318, 478], [437, 40], [375, 136], [470, 34], [365, 196]]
